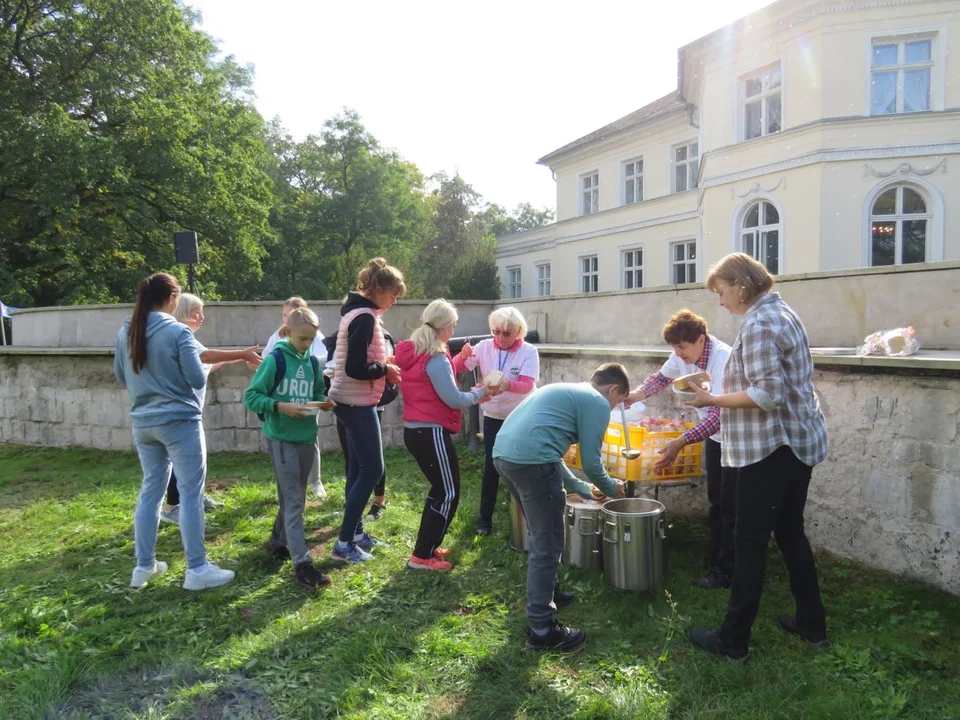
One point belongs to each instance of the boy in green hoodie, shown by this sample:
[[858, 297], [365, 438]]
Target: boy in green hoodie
[[289, 412]]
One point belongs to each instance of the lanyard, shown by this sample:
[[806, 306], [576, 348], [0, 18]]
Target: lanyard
[[502, 359]]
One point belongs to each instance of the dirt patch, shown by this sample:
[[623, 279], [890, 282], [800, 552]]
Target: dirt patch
[[159, 691], [37, 469], [222, 483], [323, 534], [445, 706]]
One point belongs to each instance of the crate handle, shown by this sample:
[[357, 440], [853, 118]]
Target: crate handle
[[606, 536]]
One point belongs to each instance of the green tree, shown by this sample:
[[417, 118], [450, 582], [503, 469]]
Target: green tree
[[118, 126]]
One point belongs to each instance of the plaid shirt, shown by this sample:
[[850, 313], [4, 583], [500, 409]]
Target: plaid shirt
[[711, 423], [770, 359]]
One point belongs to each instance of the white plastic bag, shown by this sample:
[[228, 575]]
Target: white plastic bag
[[635, 413], [894, 343]]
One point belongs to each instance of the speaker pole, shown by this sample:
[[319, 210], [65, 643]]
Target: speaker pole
[[191, 279]]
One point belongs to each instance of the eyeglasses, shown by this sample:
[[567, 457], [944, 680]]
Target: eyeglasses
[[506, 333]]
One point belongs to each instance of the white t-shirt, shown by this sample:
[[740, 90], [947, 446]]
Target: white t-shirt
[[674, 367], [318, 349], [514, 363]]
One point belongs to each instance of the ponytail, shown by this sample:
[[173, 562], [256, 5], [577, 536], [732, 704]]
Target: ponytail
[[378, 276], [436, 316], [153, 292]]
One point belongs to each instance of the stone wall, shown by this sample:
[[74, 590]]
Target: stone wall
[[887, 495]]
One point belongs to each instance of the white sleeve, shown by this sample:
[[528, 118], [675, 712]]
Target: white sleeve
[[673, 367], [531, 363], [270, 343]]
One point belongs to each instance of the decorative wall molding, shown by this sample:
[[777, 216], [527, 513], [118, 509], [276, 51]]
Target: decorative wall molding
[[757, 188], [905, 169]]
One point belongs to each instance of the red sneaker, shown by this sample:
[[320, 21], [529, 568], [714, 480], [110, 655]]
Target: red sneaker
[[434, 563]]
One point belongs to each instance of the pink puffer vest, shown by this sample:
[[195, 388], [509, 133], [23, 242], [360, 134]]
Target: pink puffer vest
[[348, 390]]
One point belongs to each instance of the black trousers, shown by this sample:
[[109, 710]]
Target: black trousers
[[771, 495], [490, 485], [173, 494], [722, 496], [434, 451], [381, 487]]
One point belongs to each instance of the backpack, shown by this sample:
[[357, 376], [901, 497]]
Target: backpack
[[390, 391], [281, 363]]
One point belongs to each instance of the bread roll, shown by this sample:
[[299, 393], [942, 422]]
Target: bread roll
[[682, 383], [493, 378]]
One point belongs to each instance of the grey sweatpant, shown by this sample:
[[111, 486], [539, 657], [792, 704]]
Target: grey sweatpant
[[294, 464]]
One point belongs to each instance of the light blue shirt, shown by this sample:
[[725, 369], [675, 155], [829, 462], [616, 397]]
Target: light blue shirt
[[547, 423], [170, 386]]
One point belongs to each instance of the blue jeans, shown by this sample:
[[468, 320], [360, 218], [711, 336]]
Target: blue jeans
[[179, 445], [539, 490], [365, 451]]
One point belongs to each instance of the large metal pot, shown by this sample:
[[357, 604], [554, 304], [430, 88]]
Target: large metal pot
[[583, 542], [633, 543], [518, 527]]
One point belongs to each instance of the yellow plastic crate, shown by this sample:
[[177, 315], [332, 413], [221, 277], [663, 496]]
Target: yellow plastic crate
[[687, 463]]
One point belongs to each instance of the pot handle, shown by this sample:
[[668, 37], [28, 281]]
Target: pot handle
[[581, 522], [606, 535]]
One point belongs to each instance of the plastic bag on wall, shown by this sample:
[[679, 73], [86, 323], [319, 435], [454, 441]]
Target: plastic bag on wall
[[894, 343]]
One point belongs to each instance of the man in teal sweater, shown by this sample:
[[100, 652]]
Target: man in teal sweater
[[528, 453]]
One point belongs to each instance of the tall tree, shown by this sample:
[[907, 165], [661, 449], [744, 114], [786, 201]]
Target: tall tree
[[118, 127]]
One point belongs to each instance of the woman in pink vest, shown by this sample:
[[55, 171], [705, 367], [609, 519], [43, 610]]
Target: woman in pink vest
[[431, 416], [361, 371]]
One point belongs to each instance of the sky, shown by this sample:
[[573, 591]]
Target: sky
[[479, 88]]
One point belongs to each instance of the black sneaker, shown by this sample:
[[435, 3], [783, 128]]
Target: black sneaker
[[376, 511], [484, 527], [711, 641], [309, 577], [713, 581], [280, 552], [560, 637], [817, 638], [562, 599]]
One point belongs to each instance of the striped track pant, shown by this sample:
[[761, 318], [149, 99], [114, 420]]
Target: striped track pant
[[436, 455]]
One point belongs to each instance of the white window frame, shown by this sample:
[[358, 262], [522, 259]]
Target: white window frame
[[935, 214], [740, 215], [581, 275], [635, 177], [765, 94], [672, 262], [633, 268], [693, 179], [594, 191], [937, 34], [544, 283], [514, 289]]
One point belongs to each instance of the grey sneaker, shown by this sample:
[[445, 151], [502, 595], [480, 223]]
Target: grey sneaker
[[141, 576], [210, 577], [318, 490], [210, 504], [171, 516]]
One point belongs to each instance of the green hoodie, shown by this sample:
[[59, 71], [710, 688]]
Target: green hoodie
[[298, 386]]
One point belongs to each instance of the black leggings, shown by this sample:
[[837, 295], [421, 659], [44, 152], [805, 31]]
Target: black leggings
[[173, 494], [381, 487], [436, 455]]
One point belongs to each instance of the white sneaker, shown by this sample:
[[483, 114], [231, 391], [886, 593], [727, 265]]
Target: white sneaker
[[318, 489], [171, 516], [210, 504], [210, 577], [141, 576]]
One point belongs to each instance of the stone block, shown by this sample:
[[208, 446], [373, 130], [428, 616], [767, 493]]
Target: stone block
[[247, 440], [31, 433], [116, 415], [81, 436], [940, 457], [329, 442], [6, 430], [120, 439], [233, 415], [885, 488], [252, 420], [212, 417], [72, 411], [228, 395], [935, 498], [220, 440]]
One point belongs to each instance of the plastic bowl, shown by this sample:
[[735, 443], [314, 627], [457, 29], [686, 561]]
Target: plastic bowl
[[685, 395], [313, 410]]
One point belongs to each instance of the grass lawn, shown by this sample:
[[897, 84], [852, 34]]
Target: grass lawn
[[384, 642]]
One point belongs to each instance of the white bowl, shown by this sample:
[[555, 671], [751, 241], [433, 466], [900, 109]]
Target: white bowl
[[312, 410], [685, 395]]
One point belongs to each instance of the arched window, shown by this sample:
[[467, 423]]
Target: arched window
[[899, 221], [760, 233]]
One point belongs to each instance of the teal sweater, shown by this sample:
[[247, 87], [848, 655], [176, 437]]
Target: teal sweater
[[548, 422]]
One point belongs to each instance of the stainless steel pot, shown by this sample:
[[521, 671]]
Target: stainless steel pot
[[518, 527], [633, 543], [583, 541]]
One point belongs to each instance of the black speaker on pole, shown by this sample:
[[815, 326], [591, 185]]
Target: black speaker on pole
[[185, 246]]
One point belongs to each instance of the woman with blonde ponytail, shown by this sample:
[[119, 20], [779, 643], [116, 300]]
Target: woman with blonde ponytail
[[432, 404]]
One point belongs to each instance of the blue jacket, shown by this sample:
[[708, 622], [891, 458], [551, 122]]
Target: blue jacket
[[169, 387]]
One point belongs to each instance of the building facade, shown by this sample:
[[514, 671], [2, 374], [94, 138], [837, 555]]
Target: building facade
[[812, 134]]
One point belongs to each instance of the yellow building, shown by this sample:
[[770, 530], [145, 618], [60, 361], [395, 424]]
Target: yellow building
[[813, 134]]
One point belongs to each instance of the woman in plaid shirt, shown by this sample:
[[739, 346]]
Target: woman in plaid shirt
[[773, 433], [695, 350]]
